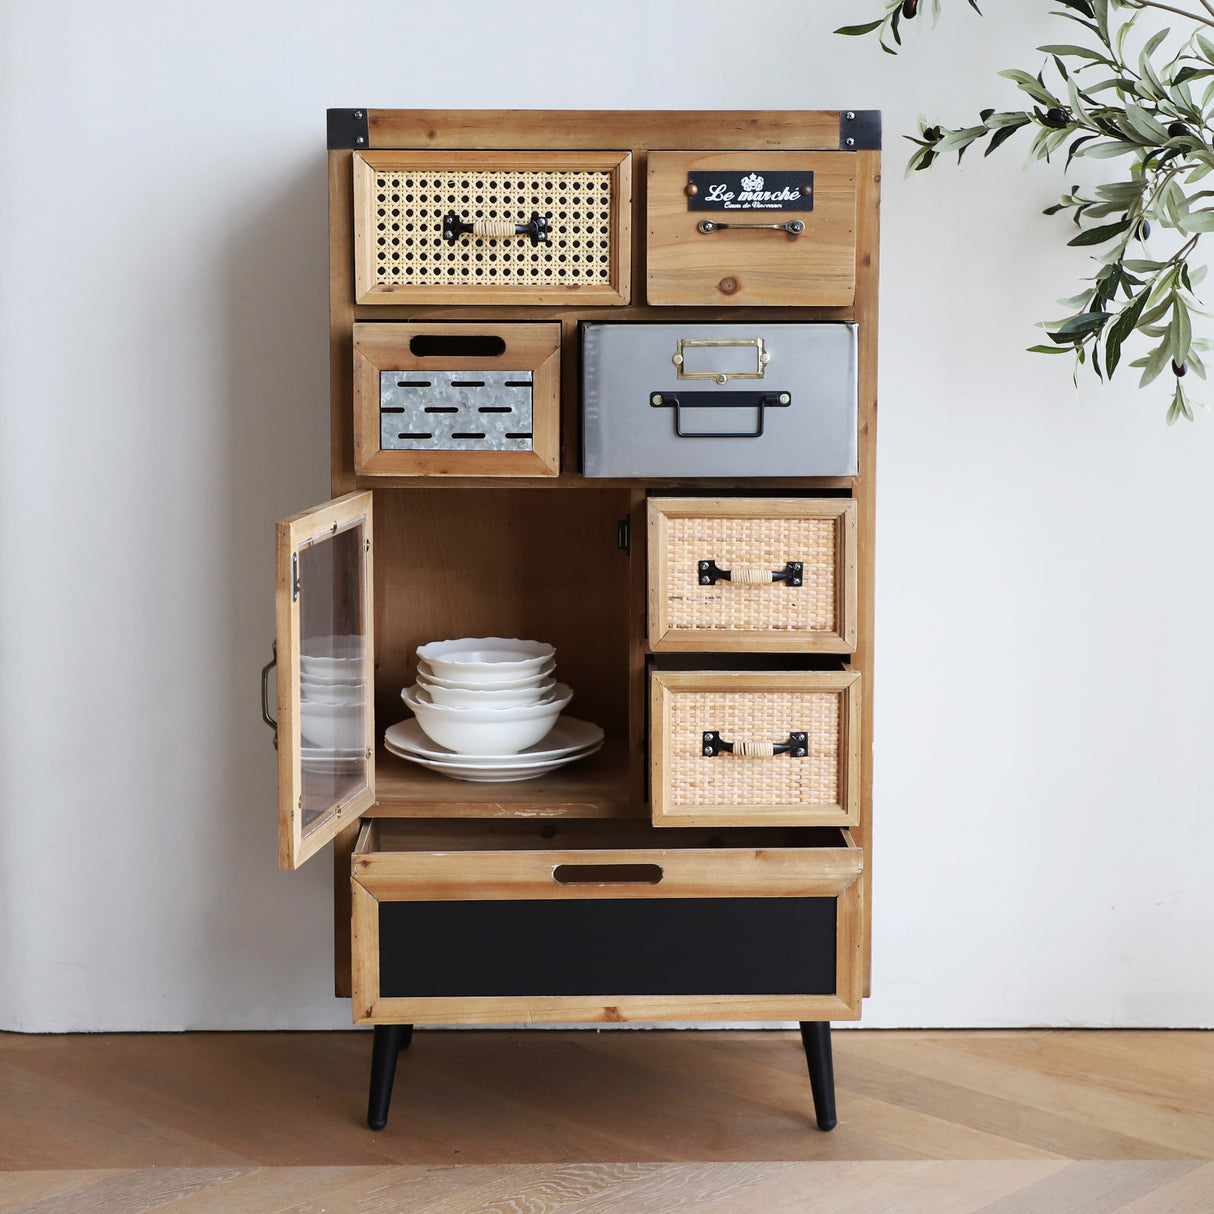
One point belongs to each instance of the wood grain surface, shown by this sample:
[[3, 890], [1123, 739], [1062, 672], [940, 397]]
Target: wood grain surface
[[948, 1122]]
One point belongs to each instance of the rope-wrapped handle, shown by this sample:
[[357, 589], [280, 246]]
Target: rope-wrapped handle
[[709, 573], [797, 746], [537, 228]]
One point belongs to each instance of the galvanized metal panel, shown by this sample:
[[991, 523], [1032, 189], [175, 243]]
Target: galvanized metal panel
[[455, 410]]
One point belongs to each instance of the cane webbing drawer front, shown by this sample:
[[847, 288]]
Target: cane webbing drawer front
[[810, 719], [492, 227], [711, 243], [775, 574], [603, 922], [436, 399]]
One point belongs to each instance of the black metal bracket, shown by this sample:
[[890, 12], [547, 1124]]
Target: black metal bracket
[[860, 131], [797, 745], [710, 573], [759, 401], [537, 228], [347, 128]]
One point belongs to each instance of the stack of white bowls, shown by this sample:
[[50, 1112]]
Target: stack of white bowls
[[486, 695], [332, 696]]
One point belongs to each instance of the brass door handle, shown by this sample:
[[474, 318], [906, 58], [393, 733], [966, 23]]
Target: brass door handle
[[265, 694], [795, 226]]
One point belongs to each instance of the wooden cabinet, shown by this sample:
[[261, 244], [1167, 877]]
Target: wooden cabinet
[[710, 861]]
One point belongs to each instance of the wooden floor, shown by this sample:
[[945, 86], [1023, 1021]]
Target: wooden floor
[[1058, 1122]]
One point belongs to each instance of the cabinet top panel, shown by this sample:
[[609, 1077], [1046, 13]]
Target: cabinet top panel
[[826, 130]]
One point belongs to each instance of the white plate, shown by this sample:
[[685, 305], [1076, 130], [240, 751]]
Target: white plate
[[490, 773], [567, 737], [321, 759]]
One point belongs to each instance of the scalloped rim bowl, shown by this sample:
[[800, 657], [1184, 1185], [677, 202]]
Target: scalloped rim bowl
[[482, 697], [485, 660], [473, 683], [485, 731]]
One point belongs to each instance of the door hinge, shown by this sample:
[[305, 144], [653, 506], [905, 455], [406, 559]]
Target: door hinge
[[623, 534], [366, 545], [294, 576]]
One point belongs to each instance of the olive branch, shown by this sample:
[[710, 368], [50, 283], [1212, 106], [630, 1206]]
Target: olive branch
[[1093, 99]]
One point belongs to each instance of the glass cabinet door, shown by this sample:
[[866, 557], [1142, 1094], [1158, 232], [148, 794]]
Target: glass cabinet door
[[325, 647]]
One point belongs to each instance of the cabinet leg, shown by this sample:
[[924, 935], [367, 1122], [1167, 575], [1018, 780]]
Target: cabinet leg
[[815, 1037], [389, 1040]]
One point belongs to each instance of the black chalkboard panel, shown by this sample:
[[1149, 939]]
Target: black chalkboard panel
[[608, 946]]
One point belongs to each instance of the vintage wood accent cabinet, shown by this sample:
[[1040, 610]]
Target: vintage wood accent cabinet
[[605, 380]]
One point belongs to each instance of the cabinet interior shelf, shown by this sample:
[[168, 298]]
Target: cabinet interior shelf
[[596, 787]]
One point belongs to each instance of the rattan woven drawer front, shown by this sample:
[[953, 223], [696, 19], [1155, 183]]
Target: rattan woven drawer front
[[600, 921], [745, 228], [457, 399], [813, 715], [492, 227], [791, 566]]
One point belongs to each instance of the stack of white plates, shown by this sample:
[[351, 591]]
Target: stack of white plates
[[332, 702], [566, 742], [482, 706]]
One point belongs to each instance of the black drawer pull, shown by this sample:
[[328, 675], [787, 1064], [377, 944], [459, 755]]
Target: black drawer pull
[[537, 228], [709, 573], [603, 874], [758, 401], [797, 746]]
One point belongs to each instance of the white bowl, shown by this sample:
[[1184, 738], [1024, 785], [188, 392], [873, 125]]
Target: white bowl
[[331, 693], [487, 660], [331, 657], [485, 731], [465, 697], [474, 683], [332, 726]]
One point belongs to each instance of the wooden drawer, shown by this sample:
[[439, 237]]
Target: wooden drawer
[[697, 255], [457, 399], [538, 921], [752, 574], [704, 724], [408, 250]]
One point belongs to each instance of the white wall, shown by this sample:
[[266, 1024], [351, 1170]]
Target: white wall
[[1044, 568]]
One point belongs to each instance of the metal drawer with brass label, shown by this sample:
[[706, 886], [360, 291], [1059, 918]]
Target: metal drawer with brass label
[[736, 400]]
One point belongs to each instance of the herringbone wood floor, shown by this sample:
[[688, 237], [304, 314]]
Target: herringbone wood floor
[[1061, 1122]]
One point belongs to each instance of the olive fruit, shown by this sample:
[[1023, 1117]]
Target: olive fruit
[[909, 8], [1179, 369], [1178, 130]]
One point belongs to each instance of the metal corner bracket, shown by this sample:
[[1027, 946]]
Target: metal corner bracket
[[859, 130], [347, 129]]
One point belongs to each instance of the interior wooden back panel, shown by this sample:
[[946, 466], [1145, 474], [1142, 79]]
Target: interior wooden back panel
[[537, 564]]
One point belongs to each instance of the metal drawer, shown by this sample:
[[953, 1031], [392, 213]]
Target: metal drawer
[[696, 400]]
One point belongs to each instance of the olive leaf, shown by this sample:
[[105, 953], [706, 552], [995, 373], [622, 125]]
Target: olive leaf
[[1090, 99]]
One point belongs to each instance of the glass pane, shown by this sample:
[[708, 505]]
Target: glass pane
[[333, 695]]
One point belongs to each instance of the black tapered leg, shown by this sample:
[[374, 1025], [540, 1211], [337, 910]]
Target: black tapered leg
[[390, 1039], [815, 1036]]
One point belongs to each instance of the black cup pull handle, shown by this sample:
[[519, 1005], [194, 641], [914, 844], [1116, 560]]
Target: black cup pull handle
[[709, 573], [797, 746]]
